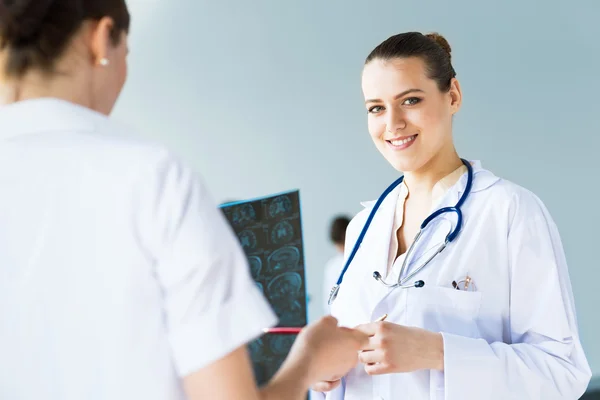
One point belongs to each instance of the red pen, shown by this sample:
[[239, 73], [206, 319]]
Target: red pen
[[283, 330]]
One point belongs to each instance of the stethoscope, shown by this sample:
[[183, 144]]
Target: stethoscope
[[401, 282]]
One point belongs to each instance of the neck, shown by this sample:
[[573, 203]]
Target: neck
[[70, 86], [421, 182]]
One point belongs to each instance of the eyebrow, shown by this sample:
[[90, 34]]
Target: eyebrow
[[396, 97]]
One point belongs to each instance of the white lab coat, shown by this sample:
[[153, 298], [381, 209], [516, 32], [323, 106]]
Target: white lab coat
[[118, 275], [516, 337]]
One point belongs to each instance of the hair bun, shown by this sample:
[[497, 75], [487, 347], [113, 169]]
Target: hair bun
[[22, 20], [441, 41]]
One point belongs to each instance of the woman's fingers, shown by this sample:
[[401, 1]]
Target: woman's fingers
[[370, 357], [326, 386]]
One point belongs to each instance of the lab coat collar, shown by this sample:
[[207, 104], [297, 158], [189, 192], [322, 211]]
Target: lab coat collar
[[482, 179], [379, 245], [46, 115], [383, 221]]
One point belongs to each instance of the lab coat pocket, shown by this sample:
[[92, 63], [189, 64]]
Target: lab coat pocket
[[441, 309]]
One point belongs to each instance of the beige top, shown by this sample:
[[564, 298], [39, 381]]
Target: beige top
[[439, 190]]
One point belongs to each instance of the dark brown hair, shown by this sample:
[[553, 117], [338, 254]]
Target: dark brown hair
[[36, 32], [432, 48], [337, 232]]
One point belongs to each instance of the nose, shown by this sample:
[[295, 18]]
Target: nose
[[395, 121]]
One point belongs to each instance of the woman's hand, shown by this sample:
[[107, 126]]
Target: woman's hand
[[396, 348], [326, 351]]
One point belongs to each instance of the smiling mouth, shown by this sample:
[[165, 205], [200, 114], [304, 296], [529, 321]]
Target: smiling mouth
[[402, 142]]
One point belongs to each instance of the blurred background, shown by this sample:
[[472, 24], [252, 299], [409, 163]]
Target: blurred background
[[264, 96]]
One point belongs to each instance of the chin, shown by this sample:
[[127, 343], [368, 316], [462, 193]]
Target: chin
[[408, 160], [404, 164]]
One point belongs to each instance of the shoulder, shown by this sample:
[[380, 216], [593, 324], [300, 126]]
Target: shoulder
[[511, 199], [515, 197], [110, 136], [489, 191], [74, 133], [117, 150], [117, 146]]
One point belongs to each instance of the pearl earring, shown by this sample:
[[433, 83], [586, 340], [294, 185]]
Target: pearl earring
[[104, 62]]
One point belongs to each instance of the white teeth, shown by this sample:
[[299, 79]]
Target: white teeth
[[402, 141]]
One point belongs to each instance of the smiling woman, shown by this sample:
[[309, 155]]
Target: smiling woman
[[449, 301], [415, 107]]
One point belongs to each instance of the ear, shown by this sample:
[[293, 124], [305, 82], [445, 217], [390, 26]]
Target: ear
[[455, 95], [101, 42]]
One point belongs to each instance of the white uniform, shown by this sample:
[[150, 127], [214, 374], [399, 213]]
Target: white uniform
[[515, 337], [118, 274]]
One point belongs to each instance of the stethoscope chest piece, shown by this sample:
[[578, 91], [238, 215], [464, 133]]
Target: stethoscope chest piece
[[418, 284]]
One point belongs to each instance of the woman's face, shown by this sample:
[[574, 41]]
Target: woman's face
[[409, 118]]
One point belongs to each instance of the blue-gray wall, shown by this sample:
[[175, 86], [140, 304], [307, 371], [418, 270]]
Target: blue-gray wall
[[263, 96]]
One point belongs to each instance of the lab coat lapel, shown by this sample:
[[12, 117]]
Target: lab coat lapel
[[434, 234], [377, 246], [436, 231]]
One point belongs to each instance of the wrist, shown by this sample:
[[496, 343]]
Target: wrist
[[300, 369], [434, 351], [292, 380], [438, 349]]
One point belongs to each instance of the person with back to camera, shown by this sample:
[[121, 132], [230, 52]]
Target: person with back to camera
[[119, 278], [468, 267]]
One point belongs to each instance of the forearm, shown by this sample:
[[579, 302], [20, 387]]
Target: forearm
[[291, 382]]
